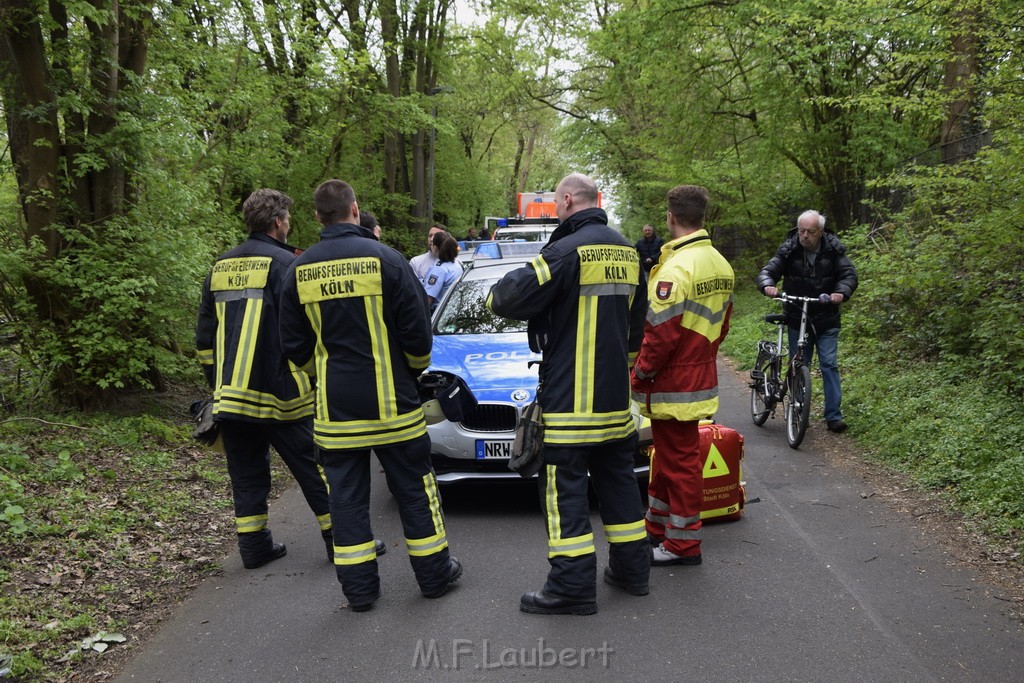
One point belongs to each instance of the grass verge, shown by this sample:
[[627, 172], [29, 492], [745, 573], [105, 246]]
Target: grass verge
[[105, 520], [940, 423]]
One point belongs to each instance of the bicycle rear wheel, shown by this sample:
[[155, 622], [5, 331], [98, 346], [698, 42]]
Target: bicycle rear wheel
[[760, 391], [798, 405]]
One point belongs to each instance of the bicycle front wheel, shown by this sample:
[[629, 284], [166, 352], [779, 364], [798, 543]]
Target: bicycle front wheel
[[760, 392], [798, 405]]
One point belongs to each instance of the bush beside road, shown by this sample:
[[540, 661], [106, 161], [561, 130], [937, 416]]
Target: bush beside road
[[944, 428]]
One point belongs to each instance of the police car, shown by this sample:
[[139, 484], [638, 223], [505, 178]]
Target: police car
[[493, 356]]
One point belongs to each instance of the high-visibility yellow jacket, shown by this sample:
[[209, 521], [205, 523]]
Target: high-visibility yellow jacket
[[237, 340], [354, 316], [585, 298], [675, 376]]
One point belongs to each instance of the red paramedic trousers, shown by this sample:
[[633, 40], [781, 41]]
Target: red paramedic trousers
[[676, 489]]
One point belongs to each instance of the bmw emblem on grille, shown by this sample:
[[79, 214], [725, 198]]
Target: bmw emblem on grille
[[520, 395]]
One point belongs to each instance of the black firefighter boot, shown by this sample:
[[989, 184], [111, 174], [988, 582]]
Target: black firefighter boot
[[258, 548]]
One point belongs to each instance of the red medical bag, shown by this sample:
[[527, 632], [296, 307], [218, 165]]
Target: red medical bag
[[721, 453], [721, 456]]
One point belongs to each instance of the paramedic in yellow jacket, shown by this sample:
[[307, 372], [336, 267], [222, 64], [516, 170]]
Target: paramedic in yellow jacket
[[259, 397], [354, 316], [675, 378], [585, 300]]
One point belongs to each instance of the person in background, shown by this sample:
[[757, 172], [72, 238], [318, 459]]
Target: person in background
[[585, 301], [422, 263], [260, 399], [812, 261], [443, 274], [649, 248], [369, 221], [354, 316], [471, 235], [675, 377]]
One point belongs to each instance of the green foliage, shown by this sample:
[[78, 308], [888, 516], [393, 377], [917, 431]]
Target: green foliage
[[961, 303], [950, 431], [14, 517], [944, 420], [123, 282], [14, 462], [771, 105], [746, 326]]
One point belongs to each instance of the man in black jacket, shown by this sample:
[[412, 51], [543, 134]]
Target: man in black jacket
[[354, 316], [812, 261], [585, 298], [649, 248], [259, 397]]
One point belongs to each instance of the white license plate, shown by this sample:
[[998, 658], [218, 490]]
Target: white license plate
[[493, 450]]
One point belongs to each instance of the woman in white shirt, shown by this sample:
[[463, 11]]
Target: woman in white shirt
[[445, 271]]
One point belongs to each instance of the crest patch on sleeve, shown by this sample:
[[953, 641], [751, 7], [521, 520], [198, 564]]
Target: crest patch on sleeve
[[432, 279], [664, 290]]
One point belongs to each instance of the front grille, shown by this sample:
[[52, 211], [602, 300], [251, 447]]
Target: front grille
[[444, 465], [492, 417]]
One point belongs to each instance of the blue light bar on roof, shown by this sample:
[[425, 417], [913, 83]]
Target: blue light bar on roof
[[498, 250], [487, 250]]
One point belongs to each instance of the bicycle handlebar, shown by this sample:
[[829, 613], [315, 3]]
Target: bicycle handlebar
[[820, 299]]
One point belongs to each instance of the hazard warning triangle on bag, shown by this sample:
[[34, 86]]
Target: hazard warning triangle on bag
[[714, 464]]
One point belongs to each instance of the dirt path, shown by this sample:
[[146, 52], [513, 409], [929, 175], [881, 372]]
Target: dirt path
[[928, 511]]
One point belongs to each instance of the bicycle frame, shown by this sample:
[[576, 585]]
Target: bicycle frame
[[769, 387], [798, 377], [801, 344]]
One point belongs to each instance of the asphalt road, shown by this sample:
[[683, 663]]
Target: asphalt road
[[820, 581]]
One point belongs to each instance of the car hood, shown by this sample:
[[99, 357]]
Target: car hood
[[493, 365]]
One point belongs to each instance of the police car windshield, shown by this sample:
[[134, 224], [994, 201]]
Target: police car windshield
[[464, 311]]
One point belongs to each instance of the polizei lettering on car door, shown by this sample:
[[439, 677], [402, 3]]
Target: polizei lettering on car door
[[501, 355], [341, 279]]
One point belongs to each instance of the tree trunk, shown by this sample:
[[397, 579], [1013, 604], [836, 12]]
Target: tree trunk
[[962, 116], [56, 197], [34, 139], [389, 36], [524, 171]]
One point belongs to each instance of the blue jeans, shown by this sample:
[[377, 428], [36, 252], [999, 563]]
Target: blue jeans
[[827, 344]]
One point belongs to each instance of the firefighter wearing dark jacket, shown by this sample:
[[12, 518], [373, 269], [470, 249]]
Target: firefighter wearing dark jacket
[[260, 399], [585, 299], [354, 316], [675, 377], [812, 261]]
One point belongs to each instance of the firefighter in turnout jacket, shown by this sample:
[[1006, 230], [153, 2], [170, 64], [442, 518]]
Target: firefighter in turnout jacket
[[354, 316], [675, 378], [585, 299], [260, 399]]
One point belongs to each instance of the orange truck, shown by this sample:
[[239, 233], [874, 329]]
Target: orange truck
[[535, 218]]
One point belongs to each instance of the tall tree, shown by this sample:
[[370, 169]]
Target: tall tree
[[65, 87]]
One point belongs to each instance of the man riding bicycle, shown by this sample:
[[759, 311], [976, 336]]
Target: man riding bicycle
[[812, 261]]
